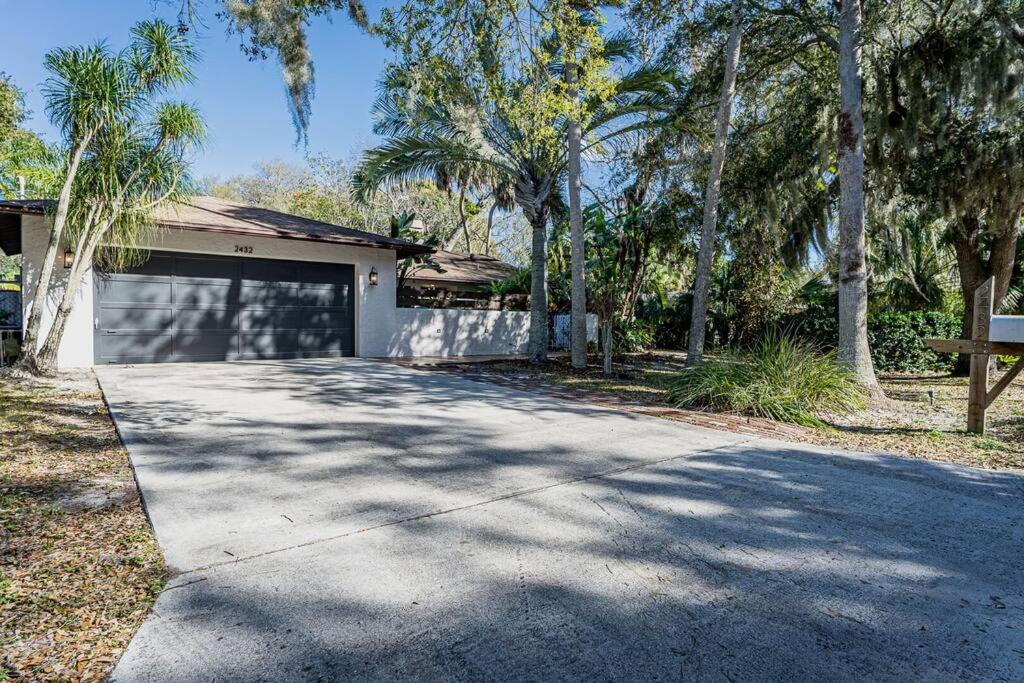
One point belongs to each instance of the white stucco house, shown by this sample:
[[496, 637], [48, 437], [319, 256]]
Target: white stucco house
[[228, 281]]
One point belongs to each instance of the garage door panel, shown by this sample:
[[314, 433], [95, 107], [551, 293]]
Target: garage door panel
[[207, 319], [327, 340], [156, 264], [193, 294], [187, 308], [209, 270], [270, 319], [135, 347], [126, 291], [270, 344], [121, 317], [284, 294], [206, 345], [270, 271], [325, 318], [324, 295], [326, 274]]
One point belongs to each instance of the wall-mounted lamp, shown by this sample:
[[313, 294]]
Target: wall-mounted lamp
[[372, 277], [69, 258]]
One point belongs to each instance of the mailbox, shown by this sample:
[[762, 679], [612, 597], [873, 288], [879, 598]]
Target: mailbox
[[1007, 328]]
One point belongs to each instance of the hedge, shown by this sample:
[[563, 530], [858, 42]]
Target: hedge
[[896, 339]]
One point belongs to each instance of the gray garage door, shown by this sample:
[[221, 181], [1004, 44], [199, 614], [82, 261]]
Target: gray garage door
[[208, 308]]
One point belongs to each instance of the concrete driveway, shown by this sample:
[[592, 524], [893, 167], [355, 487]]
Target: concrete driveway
[[348, 519]]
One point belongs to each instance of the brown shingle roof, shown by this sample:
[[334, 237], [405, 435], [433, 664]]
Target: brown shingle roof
[[471, 269], [210, 214]]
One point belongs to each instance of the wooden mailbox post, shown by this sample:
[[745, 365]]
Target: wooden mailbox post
[[1007, 340]]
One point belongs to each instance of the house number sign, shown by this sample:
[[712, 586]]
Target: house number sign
[[243, 249]]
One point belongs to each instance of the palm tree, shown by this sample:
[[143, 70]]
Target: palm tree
[[913, 262], [853, 280], [135, 166], [445, 137], [706, 255], [89, 88]]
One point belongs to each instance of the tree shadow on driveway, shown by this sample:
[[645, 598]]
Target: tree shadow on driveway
[[357, 520]]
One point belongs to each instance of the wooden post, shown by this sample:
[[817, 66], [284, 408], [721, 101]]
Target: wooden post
[[977, 398]]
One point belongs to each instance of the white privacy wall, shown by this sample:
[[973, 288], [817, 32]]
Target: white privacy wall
[[458, 332]]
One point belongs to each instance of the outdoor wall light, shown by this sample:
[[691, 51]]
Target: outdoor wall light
[[372, 277], [69, 258]]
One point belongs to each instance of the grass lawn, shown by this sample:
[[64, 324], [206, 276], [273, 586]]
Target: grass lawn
[[907, 423], [79, 566]]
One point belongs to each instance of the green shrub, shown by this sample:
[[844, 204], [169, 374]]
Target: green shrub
[[783, 378], [669, 320], [634, 336], [897, 340]]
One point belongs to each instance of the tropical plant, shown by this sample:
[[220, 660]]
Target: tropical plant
[[131, 161], [913, 267], [516, 283], [403, 227], [27, 164], [782, 378], [949, 128], [440, 137], [706, 254], [614, 247]]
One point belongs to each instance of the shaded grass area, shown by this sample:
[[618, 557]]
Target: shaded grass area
[[79, 566], [908, 423]]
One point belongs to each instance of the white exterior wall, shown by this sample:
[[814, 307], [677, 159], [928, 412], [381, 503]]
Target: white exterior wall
[[458, 332], [375, 305], [76, 346]]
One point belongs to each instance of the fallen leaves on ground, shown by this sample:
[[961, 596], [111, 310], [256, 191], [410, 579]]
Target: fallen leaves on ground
[[79, 567]]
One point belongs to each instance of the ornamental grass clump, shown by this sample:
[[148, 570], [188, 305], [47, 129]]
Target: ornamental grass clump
[[783, 378]]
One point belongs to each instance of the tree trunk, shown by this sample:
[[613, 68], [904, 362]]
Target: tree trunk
[[578, 296], [490, 227], [538, 346], [29, 359], [974, 270], [609, 326], [706, 255], [853, 350], [463, 221]]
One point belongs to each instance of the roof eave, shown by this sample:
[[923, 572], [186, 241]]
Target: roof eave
[[401, 250]]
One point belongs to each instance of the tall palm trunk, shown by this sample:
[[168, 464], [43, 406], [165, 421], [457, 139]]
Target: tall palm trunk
[[30, 353], [853, 285], [463, 220], [607, 329], [490, 227], [706, 255], [578, 296], [538, 346]]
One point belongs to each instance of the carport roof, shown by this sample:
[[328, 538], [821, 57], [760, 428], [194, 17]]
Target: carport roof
[[210, 214]]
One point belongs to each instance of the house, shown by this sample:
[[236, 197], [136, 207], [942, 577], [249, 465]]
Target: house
[[462, 272], [463, 284], [228, 281]]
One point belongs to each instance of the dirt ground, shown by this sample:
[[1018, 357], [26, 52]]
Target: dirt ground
[[79, 566], [922, 416]]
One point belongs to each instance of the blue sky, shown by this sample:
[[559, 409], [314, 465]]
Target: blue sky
[[243, 102]]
